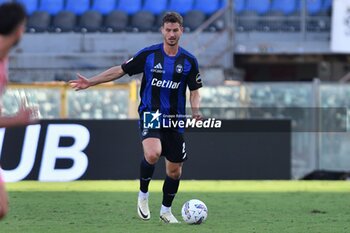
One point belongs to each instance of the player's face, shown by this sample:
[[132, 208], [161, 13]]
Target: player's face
[[172, 33], [18, 33]]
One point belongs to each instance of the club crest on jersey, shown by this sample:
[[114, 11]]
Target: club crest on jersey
[[179, 68]]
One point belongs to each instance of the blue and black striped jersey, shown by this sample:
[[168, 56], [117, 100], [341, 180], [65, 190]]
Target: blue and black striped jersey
[[165, 79]]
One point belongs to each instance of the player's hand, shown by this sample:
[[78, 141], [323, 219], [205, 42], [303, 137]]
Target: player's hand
[[26, 116], [197, 116], [80, 83]]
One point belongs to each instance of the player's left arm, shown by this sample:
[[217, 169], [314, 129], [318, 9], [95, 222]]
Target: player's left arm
[[194, 84], [195, 99]]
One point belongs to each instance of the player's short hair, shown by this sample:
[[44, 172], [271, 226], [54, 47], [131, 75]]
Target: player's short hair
[[172, 17], [11, 16]]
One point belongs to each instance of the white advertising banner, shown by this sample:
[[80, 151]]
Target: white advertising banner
[[340, 37]]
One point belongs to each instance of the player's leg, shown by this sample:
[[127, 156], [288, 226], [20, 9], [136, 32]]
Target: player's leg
[[175, 153], [152, 149], [3, 200], [170, 187]]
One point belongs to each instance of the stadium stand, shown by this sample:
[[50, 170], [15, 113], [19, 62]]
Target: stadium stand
[[156, 7], [277, 17], [250, 15], [151, 10], [90, 21], [193, 19], [39, 21], [284, 7], [64, 21], [282, 15], [143, 21], [249, 18], [129, 6], [326, 6], [78, 7], [104, 6], [116, 21], [30, 5], [314, 6], [239, 6], [316, 12], [51, 6], [259, 7], [208, 7], [181, 6]]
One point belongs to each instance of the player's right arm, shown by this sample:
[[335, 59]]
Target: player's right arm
[[83, 82], [25, 116], [135, 65]]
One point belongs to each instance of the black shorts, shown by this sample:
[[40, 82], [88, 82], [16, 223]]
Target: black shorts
[[172, 142]]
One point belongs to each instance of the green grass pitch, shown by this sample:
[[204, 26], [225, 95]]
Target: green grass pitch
[[233, 206]]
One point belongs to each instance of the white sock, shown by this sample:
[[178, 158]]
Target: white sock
[[164, 209], [143, 195]]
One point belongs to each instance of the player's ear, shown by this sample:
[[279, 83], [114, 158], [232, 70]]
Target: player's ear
[[20, 30]]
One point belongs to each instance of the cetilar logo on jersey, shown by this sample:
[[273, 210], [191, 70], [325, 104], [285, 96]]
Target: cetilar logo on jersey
[[151, 120]]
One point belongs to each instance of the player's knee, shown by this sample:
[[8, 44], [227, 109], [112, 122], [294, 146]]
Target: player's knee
[[152, 156], [174, 174]]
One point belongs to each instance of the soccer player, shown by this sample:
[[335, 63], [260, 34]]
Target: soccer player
[[12, 26], [168, 70]]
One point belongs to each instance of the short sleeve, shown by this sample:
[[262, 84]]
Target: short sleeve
[[136, 64], [194, 77]]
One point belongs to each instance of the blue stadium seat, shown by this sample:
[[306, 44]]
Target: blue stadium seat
[[207, 6], [104, 6], [286, 7], [30, 5], [261, 7], [181, 6], [156, 7], [326, 5], [51, 6], [130, 6], [78, 7], [314, 6], [239, 6]]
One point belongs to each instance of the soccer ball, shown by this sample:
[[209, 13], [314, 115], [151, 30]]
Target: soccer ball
[[194, 212]]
